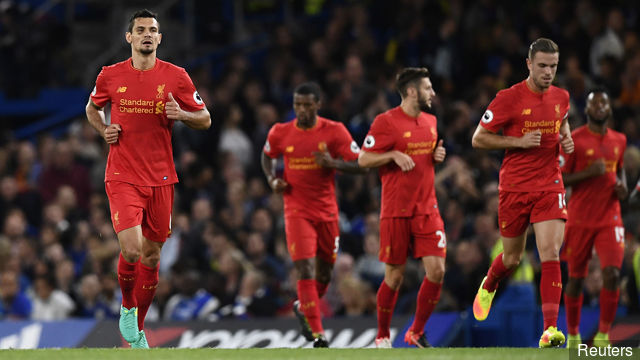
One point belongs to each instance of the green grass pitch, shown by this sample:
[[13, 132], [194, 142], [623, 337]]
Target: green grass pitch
[[284, 354]]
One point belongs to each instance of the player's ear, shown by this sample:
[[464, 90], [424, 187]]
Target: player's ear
[[127, 36], [159, 38], [529, 64]]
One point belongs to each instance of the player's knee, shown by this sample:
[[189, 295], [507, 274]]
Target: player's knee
[[512, 260], [394, 281], [304, 268], [610, 276], [151, 260], [130, 253], [435, 274]]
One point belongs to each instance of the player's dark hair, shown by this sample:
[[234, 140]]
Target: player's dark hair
[[542, 45], [410, 77], [309, 88], [144, 13]]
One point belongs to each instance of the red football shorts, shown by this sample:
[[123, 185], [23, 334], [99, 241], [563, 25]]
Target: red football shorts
[[149, 206], [519, 209], [423, 235], [579, 242], [307, 239]]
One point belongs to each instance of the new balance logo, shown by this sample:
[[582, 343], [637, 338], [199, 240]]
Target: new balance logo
[[121, 89], [526, 112], [556, 284]]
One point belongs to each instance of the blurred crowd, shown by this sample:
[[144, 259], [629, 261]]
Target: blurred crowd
[[227, 255]]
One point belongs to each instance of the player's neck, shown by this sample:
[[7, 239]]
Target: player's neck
[[143, 62], [533, 87], [307, 126], [410, 109], [597, 128]]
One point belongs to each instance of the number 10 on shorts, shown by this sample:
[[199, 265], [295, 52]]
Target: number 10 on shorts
[[561, 201]]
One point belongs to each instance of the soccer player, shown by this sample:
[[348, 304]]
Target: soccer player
[[403, 143], [598, 181], [147, 95], [311, 147], [532, 115]]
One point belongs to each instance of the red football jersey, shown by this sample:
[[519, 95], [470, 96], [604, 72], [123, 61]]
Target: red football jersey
[[519, 110], [405, 194], [311, 192], [143, 154], [593, 202]]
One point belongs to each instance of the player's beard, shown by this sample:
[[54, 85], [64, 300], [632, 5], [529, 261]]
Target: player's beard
[[541, 85], [599, 122], [423, 104]]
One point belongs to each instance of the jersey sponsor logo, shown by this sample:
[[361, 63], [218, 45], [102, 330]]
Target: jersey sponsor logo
[[557, 109], [160, 90], [487, 117], [197, 98], [267, 146], [121, 89], [303, 163], [354, 147], [589, 152], [369, 141], [140, 106], [526, 112], [94, 91], [544, 126], [407, 134], [289, 149], [420, 148]]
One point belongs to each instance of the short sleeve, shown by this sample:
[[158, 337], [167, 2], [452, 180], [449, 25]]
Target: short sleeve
[[498, 113], [567, 162], [100, 94], [380, 137], [343, 145], [272, 147], [623, 149], [567, 105], [188, 96]]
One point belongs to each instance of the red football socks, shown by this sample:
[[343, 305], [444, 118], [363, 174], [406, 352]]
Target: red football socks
[[496, 272], [127, 281], [322, 288], [608, 307], [386, 300], [145, 290], [573, 307], [550, 292], [428, 297], [309, 304]]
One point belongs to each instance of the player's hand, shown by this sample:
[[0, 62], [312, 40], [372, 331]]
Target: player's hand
[[597, 168], [324, 159], [531, 139], [440, 152], [173, 110], [620, 189], [404, 161], [567, 143], [278, 185], [111, 133]]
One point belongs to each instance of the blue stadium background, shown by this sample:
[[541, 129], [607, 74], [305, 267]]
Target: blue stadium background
[[227, 250]]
